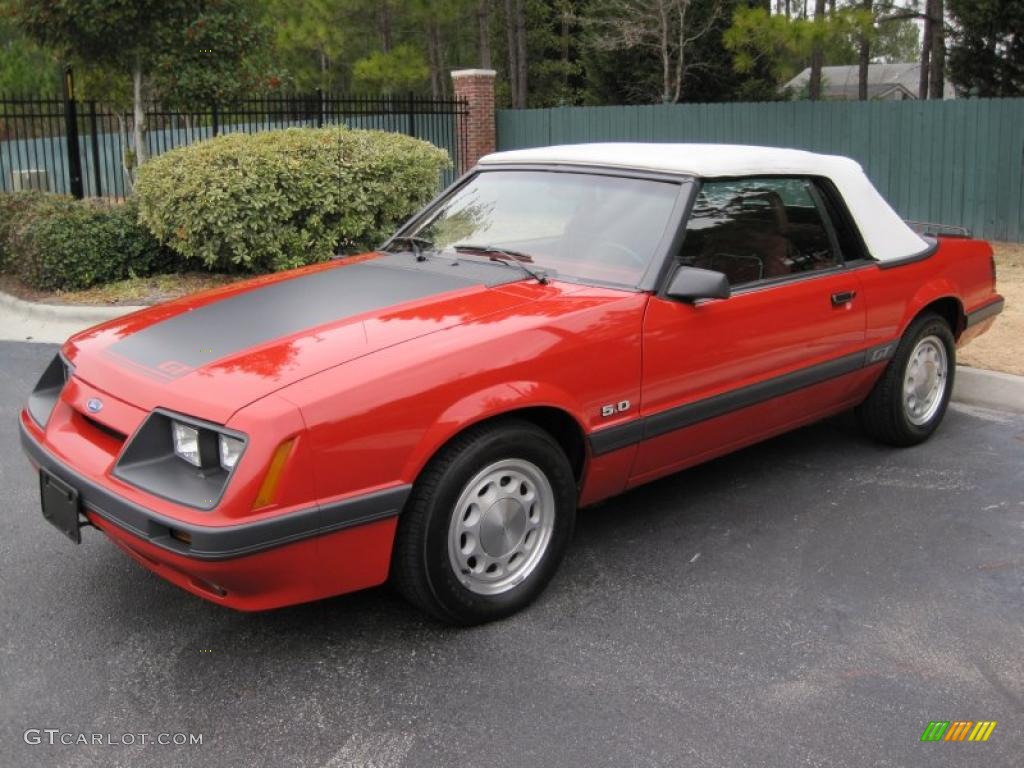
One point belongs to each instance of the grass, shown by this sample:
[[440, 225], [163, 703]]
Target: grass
[[136, 290]]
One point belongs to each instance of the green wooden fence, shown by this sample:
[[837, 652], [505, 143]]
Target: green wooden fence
[[952, 162]]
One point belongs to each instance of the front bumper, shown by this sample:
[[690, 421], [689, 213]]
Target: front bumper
[[324, 550]]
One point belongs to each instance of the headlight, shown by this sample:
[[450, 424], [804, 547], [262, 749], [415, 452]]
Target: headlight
[[186, 443], [181, 458], [230, 450]]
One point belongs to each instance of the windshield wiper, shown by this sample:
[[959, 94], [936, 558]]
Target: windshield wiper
[[417, 244], [505, 256]]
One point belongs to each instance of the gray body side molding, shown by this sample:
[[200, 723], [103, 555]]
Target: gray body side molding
[[647, 427]]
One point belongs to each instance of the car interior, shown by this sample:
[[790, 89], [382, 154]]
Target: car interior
[[757, 230]]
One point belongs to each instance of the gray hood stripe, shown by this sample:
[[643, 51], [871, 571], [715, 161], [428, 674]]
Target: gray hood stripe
[[176, 346]]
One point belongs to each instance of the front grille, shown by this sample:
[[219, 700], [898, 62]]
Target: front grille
[[108, 431]]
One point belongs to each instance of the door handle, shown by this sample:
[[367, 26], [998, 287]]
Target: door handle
[[844, 297]]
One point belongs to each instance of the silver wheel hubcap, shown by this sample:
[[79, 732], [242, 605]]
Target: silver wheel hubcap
[[501, 526], [924, 381]]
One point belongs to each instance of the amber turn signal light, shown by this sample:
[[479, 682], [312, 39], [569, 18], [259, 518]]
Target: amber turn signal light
[[268, 490]]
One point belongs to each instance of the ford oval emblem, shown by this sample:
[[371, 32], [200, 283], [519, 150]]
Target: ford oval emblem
[[94, 404]]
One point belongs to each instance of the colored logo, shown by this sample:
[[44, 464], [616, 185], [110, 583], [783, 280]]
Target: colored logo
[[94, 404], [958, 730]]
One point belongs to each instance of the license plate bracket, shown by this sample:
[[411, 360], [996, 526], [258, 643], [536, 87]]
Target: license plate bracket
[[61, 505]]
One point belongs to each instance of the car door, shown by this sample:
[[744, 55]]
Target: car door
[[780, 351]]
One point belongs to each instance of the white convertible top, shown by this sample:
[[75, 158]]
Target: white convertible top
[[886, 235]]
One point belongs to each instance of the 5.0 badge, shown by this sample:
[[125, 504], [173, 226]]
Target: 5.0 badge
[[613, 408]]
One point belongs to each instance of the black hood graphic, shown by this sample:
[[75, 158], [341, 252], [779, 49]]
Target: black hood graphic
[[192, 339]]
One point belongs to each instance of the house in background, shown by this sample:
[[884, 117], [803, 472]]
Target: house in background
[[886, 82]]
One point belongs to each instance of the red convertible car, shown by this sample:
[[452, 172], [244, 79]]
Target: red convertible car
[[560, 325]]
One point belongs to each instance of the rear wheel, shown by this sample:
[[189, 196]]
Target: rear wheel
[[908, 402], [487, 524]]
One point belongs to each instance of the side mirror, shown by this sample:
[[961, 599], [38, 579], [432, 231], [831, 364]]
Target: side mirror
[[691, 283]]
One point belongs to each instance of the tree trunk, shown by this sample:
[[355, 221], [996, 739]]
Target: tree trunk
[[937, 63], [122, 131], [677, 91], [926, 50], [565, 32], [434, 58], [385, 25], [818, 53], [138, 117], [513, 53], [666, 61], [483, 15], [325, 68], [864, 58], [521, 56], [439, 43]]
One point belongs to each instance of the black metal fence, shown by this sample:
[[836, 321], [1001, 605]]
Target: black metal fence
[[81, 147]]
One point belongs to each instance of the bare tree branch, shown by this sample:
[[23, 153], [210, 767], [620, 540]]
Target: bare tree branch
[[667, 27]]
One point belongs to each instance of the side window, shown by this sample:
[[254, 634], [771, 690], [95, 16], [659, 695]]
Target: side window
[[755, 229]]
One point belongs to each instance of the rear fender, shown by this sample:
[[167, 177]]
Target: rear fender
[[932, 291]]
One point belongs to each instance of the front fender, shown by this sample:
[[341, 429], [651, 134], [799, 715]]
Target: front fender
[[375, 421], [488, 403]]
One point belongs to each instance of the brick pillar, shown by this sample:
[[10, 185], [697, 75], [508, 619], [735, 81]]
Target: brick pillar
[[477, 132]]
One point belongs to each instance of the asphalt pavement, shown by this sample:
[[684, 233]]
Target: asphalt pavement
[[815, 600]]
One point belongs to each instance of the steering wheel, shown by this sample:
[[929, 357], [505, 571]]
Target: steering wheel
[[614, 247]]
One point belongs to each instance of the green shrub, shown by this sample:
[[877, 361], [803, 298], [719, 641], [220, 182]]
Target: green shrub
[[59, 243], [280, 199], [15, 208]]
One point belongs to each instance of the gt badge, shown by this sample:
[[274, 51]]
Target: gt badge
[[880, 353]]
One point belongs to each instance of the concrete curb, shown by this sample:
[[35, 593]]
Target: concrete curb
[[74, 313], [35, 321], [989, 389]]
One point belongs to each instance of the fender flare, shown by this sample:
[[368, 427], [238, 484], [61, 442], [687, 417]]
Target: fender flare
[[485, 404], [934, 290]]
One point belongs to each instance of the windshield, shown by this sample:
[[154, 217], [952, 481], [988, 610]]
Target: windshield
[[570, 225]]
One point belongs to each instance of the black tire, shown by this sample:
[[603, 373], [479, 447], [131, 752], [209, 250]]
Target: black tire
[[883, 415], [421, 567]]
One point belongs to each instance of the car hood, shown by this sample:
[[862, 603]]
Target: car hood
[[211, 354]]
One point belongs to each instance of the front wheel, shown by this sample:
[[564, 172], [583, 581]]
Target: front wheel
[[487, 524], [909, 400]]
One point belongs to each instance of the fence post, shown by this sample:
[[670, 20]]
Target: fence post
[[319, 107], [93, 126], [216, 119], [71, 136], [412, 115], [477, 132]]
